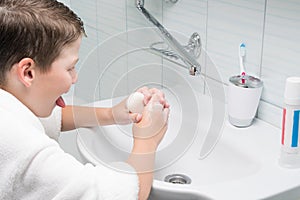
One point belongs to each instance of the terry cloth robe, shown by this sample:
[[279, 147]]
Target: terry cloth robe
[[34, 167]]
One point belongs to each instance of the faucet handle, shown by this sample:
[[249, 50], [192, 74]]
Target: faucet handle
[[194, 46]]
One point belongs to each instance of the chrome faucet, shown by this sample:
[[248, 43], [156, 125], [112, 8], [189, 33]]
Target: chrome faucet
[[194, 66]]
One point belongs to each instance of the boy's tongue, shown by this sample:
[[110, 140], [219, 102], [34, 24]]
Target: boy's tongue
[[60, 102]]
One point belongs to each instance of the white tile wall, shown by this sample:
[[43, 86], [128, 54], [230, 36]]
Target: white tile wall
[[111, 17], [229, 23], [270, 29], [281, 49], [186, 17]]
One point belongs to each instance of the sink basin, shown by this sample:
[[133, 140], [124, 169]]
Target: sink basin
[[242, 165], [114, 143], [178, 194]]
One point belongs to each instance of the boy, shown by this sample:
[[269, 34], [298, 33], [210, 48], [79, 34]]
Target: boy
[[39, 44]]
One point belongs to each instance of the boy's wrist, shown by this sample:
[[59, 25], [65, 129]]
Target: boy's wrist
[[110, 115], [143, 146], [104, 116], [142, 156]]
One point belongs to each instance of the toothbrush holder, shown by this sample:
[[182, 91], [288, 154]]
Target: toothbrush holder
[[244, 93]]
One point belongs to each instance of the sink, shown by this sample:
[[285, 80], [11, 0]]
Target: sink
[[225, 163], [176, 194], [242, 165], [114, 143]]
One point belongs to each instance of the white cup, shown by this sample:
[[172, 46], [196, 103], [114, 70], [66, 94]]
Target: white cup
[[244, 93]]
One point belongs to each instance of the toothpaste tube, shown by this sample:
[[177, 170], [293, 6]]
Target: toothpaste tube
[[290, 130], [290, 138]]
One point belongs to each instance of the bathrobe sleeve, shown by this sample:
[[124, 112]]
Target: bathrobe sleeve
[[52, 124], [33, 166]]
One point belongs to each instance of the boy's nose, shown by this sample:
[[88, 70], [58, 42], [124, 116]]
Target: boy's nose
[[74, 77]]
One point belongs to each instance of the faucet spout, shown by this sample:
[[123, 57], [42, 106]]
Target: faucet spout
[[194, 66]]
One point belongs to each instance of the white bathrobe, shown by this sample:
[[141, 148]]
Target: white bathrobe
[[34, 167]]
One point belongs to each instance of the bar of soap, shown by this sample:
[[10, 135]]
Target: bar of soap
[[135, 102]]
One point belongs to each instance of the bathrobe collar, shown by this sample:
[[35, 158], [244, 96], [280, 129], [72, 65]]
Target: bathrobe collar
[[11, 104]]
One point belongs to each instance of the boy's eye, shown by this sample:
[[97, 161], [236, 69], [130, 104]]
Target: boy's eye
[[71, 69]]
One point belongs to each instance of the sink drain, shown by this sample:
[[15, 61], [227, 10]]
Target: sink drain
[[178, 179]]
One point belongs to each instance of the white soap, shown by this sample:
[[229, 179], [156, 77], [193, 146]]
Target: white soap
[[135, 102]]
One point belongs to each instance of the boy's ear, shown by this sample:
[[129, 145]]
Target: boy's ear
[[26, 71]]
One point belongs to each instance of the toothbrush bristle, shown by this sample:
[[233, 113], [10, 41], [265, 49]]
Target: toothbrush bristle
[[242, 49]]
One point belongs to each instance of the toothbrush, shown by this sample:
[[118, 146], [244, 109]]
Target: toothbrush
[[242, 55]]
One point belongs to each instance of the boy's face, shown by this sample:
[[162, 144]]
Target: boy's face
[[51, 85]]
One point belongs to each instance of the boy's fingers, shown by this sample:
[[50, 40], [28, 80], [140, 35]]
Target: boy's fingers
[[147, 94], [136, 117]]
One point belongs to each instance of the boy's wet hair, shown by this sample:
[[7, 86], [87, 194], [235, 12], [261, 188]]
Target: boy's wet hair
[[37, 29]]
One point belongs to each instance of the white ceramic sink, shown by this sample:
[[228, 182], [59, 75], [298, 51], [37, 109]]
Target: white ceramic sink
[[243, 164]]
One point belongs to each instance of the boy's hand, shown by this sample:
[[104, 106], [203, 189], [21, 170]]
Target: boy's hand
[[151, 129], [121, 113]]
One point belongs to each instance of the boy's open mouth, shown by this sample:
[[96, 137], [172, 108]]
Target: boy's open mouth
[[60, 102]]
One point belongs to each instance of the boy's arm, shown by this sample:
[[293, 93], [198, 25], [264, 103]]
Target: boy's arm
[[148, 134], [81, 116]]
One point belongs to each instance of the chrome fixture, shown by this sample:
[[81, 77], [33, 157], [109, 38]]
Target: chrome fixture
[[171, 1], [193, 47], [183, 54], [178, 179]]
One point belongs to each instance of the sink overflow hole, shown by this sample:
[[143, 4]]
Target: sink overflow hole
[[178, 179]]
